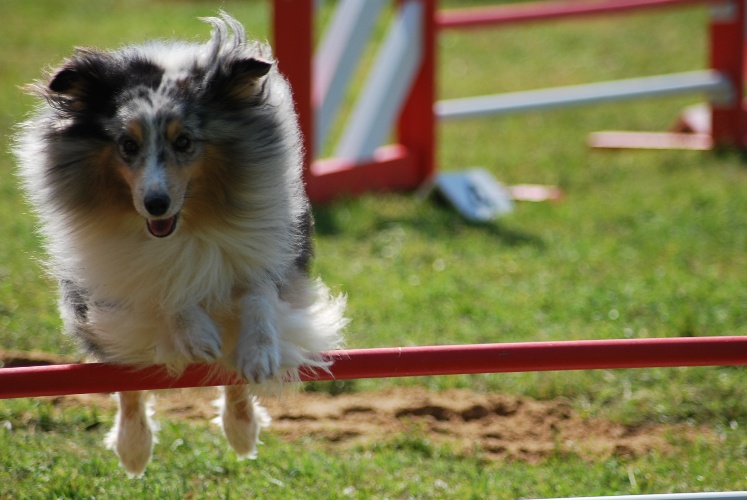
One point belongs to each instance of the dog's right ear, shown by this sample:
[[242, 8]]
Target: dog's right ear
[[83, 83]]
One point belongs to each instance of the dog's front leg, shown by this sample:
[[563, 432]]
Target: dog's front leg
[[198, 336], [131, 438], [258, 345], [194, 337]]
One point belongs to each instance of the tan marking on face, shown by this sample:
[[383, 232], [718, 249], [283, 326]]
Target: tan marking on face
[[173, 129], [135, 130], [188, 171], [107, 185], [210, 182], [126, 173]]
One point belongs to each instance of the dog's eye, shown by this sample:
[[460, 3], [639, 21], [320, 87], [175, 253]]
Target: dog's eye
[[129, 147], [183, 143]]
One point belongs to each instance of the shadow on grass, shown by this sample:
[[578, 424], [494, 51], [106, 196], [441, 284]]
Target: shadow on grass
[[431, 218]]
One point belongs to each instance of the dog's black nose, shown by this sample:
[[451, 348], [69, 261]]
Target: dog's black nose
[[157, 204]]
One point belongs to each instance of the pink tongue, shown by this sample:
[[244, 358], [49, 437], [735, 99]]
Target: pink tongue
[[160, 228]]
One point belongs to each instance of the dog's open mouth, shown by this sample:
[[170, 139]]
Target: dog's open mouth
[[160, 228]]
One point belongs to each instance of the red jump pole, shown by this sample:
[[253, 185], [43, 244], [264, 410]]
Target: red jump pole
[[293, 47], [59, 380], [416, 127], [727, 33]]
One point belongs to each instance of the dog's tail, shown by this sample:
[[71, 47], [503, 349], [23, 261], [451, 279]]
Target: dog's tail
[[309, 331]]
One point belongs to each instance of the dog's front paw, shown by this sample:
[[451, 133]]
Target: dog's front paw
[[196, 336], [258, 362]]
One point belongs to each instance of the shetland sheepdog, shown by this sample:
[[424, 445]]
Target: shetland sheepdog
[[167, 179]]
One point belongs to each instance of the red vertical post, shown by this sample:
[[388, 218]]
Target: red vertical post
[[727, 32], [416, 127], [293, 22]]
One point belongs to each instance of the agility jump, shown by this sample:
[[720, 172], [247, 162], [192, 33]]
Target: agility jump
[[402, 86]]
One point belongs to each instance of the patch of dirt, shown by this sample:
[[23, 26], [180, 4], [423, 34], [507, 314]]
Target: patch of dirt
[[495, 425], [499, 426]]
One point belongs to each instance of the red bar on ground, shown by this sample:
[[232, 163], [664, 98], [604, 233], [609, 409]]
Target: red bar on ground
[[650, 140], [392, 167], [59, 380]]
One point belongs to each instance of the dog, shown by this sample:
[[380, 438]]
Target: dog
[[167, 178]]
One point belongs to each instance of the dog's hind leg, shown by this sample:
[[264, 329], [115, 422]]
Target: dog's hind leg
[[132, 438], [242, 417]]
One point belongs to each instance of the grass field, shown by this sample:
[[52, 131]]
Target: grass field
[[645, 244]]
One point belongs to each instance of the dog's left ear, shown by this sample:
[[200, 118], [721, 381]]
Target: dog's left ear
[[241, 79]]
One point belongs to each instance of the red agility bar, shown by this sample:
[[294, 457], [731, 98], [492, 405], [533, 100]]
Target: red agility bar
[[293, 46], [416, 127], [480, 17], [392, 167], [727, 55], [57, 380]]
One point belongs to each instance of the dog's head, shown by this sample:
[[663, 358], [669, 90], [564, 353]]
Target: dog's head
[[145, 109]]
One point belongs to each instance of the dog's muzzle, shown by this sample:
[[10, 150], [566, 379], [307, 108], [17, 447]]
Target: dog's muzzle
[[160, 228], [157, 204]]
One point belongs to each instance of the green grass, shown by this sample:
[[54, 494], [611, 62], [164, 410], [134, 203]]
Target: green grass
[[56, 454], [645, 244]]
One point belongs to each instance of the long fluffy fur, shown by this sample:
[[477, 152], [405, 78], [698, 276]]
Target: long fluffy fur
[[212, 127]]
